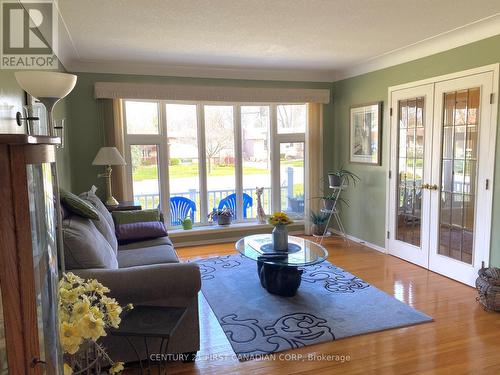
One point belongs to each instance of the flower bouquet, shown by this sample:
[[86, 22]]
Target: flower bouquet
[[84, 314], [280, 233]]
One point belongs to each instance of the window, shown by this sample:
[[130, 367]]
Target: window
[[190, 158], [183, 158]]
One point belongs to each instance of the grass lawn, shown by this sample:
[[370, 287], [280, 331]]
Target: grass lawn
[[150, 172]]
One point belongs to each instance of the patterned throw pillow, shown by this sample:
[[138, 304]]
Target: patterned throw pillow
[[78, 206]]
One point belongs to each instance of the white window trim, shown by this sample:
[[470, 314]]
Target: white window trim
[[161, 141]]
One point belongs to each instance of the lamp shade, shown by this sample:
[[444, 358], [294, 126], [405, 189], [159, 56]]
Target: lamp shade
[[108, 156], [41, 84]]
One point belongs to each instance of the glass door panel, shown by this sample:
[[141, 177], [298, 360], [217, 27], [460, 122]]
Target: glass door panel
[[410, 170], [183, 169], [458, 174], [44, 245]]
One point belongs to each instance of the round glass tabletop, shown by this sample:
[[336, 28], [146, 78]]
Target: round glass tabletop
[[302, 252]]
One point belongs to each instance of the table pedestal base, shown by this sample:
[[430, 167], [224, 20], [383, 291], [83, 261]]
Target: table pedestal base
[[280, 280]]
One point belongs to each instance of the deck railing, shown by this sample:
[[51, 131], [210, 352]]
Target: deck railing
[[148, 201]]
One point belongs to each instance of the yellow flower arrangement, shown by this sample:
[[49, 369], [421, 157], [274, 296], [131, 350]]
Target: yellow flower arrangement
[[279, 218], [84, 314]]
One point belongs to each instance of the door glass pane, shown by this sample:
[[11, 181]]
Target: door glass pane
[[145, 179], [292, 179], [410, 169], [255, 130], [292, 118], [45, 269], [458, 174], [183, 163], [141, 117], [219, 136]]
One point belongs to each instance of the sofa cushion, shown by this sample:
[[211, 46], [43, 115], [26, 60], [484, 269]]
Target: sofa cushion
[[147, 256], [107, 232], [105, 224], [78, 206], [99, 206], [85, 246], [146, 243]]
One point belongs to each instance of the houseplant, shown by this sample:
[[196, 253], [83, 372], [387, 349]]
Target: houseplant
[[329, 201], [319, 221], [280, 233], [223, 216], [335, 179], [85, 312]]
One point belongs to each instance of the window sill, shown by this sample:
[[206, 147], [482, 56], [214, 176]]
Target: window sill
[[198, 235]]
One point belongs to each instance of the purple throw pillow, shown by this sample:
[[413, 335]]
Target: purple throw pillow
[[140, 231]]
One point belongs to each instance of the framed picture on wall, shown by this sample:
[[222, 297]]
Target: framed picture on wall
[[365, 133]]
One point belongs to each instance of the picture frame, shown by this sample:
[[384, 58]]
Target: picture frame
[[365, 133]]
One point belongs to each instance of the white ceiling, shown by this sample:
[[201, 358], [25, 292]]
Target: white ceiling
[[268, 39]]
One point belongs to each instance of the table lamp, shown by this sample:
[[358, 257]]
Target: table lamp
[[48, 88], [108, 156]]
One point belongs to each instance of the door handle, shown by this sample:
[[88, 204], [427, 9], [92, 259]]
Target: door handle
[[433, 187], [425, 186]]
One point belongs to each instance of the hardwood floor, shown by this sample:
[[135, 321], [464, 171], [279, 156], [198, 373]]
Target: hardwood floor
[[464, 339]]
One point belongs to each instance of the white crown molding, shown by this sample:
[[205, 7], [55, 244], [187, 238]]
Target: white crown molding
[[251, 73], [460, 36]]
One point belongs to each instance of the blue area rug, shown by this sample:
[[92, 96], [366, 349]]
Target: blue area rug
[[330, 304]]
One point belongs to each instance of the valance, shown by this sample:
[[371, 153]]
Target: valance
[[124, 90]]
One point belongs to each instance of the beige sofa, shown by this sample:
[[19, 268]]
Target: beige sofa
[[142, 273]]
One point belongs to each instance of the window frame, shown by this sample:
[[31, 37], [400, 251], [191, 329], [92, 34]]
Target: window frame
[[161, 141]]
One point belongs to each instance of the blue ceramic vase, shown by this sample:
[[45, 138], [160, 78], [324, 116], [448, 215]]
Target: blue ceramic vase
[[280, 238]]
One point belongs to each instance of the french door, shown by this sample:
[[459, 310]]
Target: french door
[[442, 152]]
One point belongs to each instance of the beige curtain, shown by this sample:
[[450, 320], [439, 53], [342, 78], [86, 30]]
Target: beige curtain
[[314, 161], [112, 118]]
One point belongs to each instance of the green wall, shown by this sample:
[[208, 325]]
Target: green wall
[[365, 218], [87, 133]]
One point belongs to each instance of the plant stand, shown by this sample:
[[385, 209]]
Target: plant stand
[[335, 214]]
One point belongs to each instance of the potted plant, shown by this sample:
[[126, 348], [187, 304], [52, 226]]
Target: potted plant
[[329, 201], [280, 233], [335, 179], [319, 221], [223, 216]]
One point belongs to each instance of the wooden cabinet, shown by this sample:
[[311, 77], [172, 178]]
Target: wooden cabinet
[[28, 254]]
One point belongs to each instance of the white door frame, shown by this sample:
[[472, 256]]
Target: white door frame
[[487, 168]]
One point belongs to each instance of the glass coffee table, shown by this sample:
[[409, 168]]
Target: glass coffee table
[[278, 270]]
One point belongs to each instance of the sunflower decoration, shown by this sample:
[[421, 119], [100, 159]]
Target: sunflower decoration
[[85, 311], [279, 218]]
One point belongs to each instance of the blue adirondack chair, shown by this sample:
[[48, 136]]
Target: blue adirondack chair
[[230, 202], [180, 208]]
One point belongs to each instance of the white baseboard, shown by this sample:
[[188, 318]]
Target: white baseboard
[[361, 242]]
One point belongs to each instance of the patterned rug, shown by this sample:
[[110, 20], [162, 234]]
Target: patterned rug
[[330, 304]]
